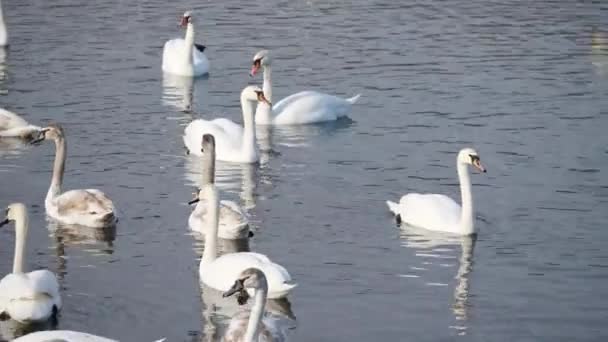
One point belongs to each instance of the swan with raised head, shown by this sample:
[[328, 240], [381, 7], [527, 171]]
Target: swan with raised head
[[26, 297], [13, 126], [3, 32], [439, 212], [220, 272], [64, 336], [233, 142], [249, 326], [87, 207], [184, 57], [305, 107], [233, 223]]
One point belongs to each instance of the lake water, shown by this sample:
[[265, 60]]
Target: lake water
[[525, 83]]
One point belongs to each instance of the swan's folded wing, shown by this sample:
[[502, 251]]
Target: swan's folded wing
[[61, 335], [231, 213], [233, 130], [433, 211], [44, 281], [280, 105], [193, 135], [84, 202]]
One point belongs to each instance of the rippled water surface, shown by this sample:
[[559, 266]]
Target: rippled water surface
[[525, 83]]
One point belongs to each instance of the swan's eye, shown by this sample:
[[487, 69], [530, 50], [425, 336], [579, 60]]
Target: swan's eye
[[474, 158], [257, 62]]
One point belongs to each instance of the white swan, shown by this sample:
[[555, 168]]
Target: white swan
[[87, 207], [233, 223], [13, 126], [233, 142], [305, 107], [26, 297], [64, 336], [220, 273], [184, 57], [3, 32], [439, 212], [249, 326]]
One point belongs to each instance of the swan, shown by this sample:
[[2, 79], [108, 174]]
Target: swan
[[233, 223], [252, 326], [234, 143], [3, 32], [87, 207], [305, 107], [220, 272], [439, 212], [27, 297], [183, 56], [64, 336], [13, 126]]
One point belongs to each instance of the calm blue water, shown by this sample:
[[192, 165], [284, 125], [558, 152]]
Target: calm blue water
[[525, 83]]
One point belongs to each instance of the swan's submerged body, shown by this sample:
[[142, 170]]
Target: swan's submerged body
[[27, 297], [305, 107], [233, 142], [182, 56], [439, 212], [13, 126]]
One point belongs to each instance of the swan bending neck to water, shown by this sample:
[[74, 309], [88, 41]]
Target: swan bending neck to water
[[183, 56], [26, 297], [439, 212], [234, 143], [233, 223], [250, 326], [3, 32], [13, 126], [305, 107], [87, 207]]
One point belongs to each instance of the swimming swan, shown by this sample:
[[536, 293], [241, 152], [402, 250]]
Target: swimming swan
[[64, 336], [87, 207], [220, 272], [439, 212], [27, 297], [233, 142], [305, 107], [13, 126], [182, 56], [233, 223], [251, 325]]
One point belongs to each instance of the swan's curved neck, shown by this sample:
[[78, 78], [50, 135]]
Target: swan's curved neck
[[263, 113], [213, 208], [466, 219], [257, 311], [189, 40], [58, 168], [248, 147], [21, 227], [209, 166]]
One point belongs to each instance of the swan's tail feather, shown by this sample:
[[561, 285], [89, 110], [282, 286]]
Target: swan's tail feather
[[393, 207], [354, 99]]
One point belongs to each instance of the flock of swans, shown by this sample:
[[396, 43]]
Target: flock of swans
[[35, 296]]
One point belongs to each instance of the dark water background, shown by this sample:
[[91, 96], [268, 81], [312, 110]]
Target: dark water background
[[525, 83]]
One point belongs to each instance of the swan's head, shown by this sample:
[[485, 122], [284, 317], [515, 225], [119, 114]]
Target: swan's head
[[261, 59], [254, 94], [14, 212], [251, 278], [51, 132], [471, 157], [186, 19]]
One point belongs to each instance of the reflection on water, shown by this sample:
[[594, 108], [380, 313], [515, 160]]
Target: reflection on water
[[439, 250], [11, 329], [3, 71], [302, 135], [599, 50], [231, 177], [178, 92], [223, 245], [12, 147]]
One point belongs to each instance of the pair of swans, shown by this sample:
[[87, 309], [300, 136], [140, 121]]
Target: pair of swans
[[439, 212], [182, 56], [220, 272], [233, 223], [26, 297]]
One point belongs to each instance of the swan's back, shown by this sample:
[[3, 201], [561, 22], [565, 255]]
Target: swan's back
[[61, 336], [309, 107], [175, 60], [89, 207], [430, 211], [227, 134], [10, 120], [31, 296]]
